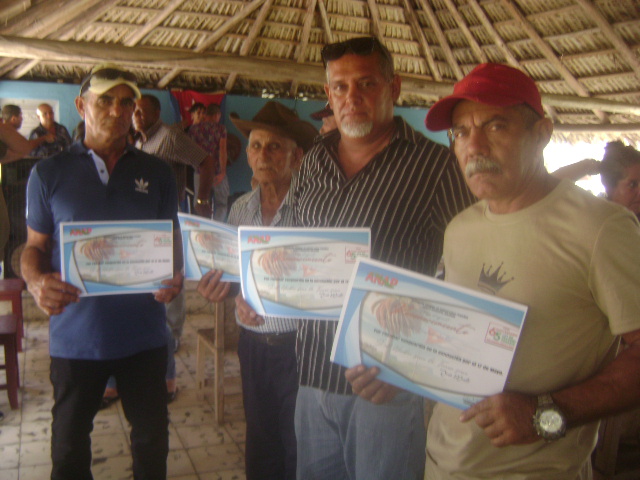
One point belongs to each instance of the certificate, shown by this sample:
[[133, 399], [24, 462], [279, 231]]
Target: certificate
[[109, 258], [299, 272], [433, 338], [209, 245]]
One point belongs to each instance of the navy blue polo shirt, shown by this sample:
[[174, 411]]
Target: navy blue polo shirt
[[66, 188]]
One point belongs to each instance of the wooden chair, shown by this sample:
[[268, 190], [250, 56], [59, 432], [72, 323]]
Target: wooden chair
[[9, 339], [212, 340], [11, 291]]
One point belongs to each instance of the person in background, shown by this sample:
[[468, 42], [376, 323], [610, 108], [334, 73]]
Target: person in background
[[93, 337], [373, 171], [620, 175], [277, 141], [619, 172], [56, 135], [211, 135], [197, 114], [176, 148], [570, 257], [327, 117], [12, 116]]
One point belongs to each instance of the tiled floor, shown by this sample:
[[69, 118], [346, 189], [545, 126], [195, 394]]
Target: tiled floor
[[199, 448]]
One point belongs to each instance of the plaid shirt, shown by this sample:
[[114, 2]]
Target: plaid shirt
[[247, 211], [61, 142], [174, 147]]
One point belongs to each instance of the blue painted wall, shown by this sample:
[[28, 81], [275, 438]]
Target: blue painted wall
[[66, 95], [246, 107]]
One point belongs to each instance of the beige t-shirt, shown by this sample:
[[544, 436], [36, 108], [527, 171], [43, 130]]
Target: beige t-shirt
[[573, 259]]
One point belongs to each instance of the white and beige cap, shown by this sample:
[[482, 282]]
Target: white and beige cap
[[105, 76]]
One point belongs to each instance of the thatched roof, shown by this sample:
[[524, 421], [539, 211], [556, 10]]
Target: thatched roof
[[583, 54]]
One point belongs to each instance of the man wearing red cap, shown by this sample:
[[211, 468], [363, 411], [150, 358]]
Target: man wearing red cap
[[570, 257]]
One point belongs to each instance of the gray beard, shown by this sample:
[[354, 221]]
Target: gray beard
[[357, 130]]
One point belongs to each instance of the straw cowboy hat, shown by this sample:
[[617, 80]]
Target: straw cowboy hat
[[281, 120]]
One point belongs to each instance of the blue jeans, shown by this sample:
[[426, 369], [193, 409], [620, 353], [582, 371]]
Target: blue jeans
[[347, 437]]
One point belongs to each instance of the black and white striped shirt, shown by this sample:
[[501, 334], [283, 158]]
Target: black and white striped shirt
[[406, 194]]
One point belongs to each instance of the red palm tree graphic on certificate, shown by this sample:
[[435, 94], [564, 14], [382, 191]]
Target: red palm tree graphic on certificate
[[97, 250], [277, 263]]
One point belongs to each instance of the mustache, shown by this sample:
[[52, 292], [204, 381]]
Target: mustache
[[482, 164]]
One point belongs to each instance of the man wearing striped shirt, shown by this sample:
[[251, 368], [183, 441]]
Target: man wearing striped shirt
[[373, 171], [277, 140]]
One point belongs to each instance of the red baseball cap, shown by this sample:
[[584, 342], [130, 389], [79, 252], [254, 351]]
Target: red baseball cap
[[488, 83]]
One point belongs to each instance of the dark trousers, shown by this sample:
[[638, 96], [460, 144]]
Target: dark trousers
[[78, 386], [269, 389]]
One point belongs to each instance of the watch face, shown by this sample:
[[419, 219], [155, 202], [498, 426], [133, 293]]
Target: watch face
[[551, 421]]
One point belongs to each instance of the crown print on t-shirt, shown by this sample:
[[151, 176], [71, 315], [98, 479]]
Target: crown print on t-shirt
[[492, 282]]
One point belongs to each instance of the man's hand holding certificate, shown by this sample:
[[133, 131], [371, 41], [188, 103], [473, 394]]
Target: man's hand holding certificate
[[435, 339], [209, 245], [108, 258], [297, 272]]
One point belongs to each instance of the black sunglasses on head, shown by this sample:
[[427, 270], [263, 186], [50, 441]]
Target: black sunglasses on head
[[107, 74], [357, 46]]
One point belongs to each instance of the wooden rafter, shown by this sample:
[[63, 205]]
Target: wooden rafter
[[548, 53], [462, 24], [623, 49], [376, 27], [136, 36], [442, 39], [411, 16], [217, 35], [325, 22], [304, 41], [159, 58], [251, 38], [65, 33]]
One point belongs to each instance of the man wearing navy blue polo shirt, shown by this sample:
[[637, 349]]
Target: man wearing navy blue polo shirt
[[92, 338]]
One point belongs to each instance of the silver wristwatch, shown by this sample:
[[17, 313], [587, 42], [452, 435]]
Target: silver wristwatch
[[549, 422]]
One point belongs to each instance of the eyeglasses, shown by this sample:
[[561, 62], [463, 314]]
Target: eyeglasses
[[108, 73], [357, 46]]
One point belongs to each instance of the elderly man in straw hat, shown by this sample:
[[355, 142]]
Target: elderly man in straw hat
[[277, 141]]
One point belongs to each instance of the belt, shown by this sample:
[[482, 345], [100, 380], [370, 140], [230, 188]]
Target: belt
[[272, 339]]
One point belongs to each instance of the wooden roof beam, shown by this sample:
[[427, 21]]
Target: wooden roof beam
[[416, 28], [548, 53], [279, 71], [462, 24], [304, 41], [608, 31], [376, 27], [497, 39], [135, 37], [250, 40], [217, 35], [442, 39], [322, 8], [65, 33]]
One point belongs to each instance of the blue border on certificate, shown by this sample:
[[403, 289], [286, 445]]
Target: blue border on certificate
[[194, 270], [373, 283], [342, 245], [72, 232]]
